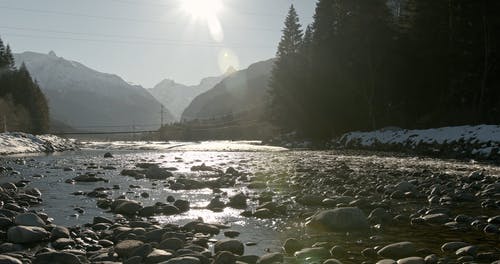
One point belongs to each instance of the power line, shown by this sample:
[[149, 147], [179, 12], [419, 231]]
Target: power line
[[134, 42], [126, 19], [127, 37], [246, 12], [71, 14]]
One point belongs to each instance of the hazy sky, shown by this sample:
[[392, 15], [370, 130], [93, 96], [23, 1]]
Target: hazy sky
[[146, 41]]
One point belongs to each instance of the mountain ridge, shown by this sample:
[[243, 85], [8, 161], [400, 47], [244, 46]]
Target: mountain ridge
[[83, 97]]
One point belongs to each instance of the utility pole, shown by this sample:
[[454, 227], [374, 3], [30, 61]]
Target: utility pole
[[161, 112], [4, 123], [133, 131]]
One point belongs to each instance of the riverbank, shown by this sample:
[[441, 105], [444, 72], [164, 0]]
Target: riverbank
[[461, 142], [18, 142]]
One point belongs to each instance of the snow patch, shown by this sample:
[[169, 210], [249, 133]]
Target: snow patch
[[481, 140], [18, 142]]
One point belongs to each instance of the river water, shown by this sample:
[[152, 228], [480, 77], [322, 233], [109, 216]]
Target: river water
[[277, 166]]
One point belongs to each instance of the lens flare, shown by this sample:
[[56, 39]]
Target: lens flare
[[228, 60]]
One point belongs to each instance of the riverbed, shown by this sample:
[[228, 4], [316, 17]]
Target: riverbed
[[290, 177]]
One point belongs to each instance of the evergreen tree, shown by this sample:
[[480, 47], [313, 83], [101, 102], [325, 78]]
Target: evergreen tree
[[287, 82], [9, 58], [3, 59]]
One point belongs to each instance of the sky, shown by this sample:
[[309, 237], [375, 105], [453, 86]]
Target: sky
[[146, 41]]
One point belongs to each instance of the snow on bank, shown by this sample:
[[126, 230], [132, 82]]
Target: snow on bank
[[482, 140], [17, 142]]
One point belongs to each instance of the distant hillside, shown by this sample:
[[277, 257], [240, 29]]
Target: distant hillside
[[176, 97], [243, 91], [85, 99]]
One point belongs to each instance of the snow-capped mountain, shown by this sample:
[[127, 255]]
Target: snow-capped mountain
[[242, 92], [176, 97], [89, 100]]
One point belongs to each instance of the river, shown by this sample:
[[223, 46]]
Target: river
[[288, 174]]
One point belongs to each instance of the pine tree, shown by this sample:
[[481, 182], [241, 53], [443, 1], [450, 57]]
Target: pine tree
[[291, 39], [287, 80], [9, 58], [3, 59]]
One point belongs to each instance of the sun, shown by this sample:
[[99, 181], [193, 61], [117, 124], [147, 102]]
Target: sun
[[204, 9]]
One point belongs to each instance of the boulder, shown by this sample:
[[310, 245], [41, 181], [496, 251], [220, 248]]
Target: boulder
[[271, 258], [411, 260], [398, 250], [346, 219], [56, 257], [29, 219], [125, 248], [27, 234], [128, 207], [232, 245], [4, 259], [239, 201], [183, 260]]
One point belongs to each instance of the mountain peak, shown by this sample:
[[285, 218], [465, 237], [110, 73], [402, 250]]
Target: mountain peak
[[52, 53]]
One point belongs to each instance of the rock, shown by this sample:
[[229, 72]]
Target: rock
[[147, 211], [4, 259], [108, 155], [128, 207], [142, 250], [346, 219], [495, 220], [292, 245], [332, 261], [453, 246], [369, 253], [89, 177], [431, 259], [125, 248], [202, 167], [338, 252], [310, 200], [205, 228], [27, 234], [231, 233], [224, 257], [317, 253], [398, 250], [386, 261], [263, 213], [467, 251], [271, 258], [158, 255], [156, 173], [56, 257], [183, 260], [411, 260], [62, 243], [170, 210], [172, 243], [183, 205], [379, 216], [5, 222], [59, 232], [29, 219], [249, 259], [216, 204], [239, 201], [437, 219], [232, 245], [405, 186], [134, 260]]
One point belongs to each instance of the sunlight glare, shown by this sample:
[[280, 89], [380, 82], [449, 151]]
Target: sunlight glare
[[204, 9]]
